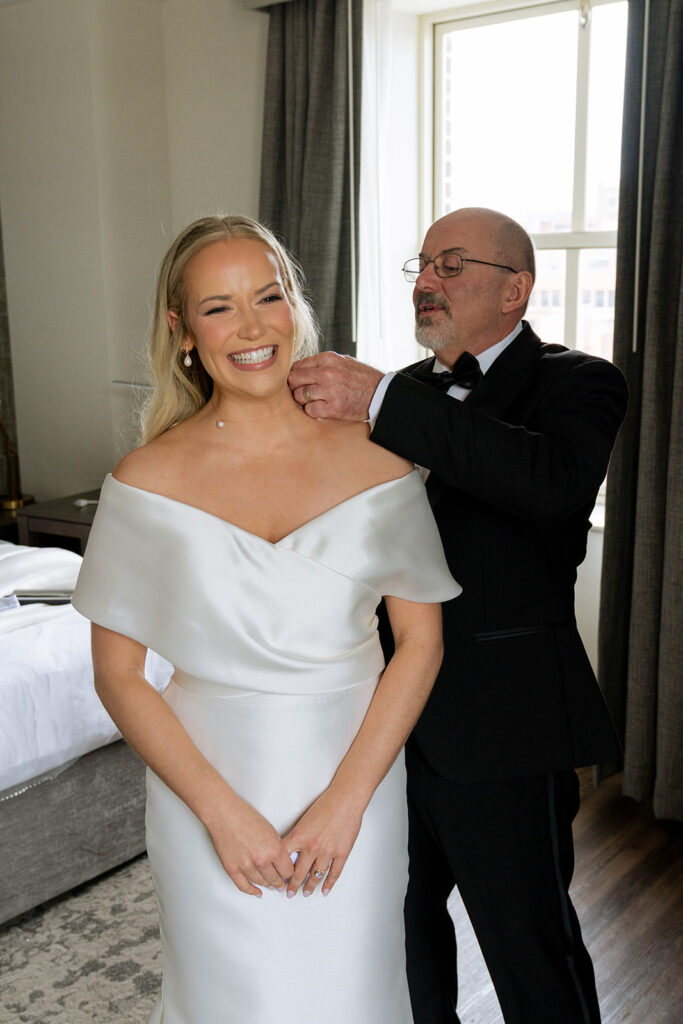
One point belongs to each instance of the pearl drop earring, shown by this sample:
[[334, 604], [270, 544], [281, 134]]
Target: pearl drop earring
[[187, 361]]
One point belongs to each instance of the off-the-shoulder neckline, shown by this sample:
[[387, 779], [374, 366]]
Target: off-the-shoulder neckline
[[256, 536]]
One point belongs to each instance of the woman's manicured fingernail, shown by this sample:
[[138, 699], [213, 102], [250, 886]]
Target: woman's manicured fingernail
[[307, 892], [326, 892], [291, 893]]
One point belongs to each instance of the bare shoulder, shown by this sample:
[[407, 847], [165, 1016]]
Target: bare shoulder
[[148, 467], [369, 461]]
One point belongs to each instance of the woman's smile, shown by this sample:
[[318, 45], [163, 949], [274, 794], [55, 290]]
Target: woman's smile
[[255, 358]]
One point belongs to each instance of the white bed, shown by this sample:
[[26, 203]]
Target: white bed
[[66, 778]]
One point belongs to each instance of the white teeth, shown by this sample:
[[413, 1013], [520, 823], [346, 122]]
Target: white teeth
[[256, 355]]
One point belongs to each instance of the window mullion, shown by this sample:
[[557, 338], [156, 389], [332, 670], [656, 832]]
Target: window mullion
[[430, 169], [437, 139], [571, 297], [575, 239], [581, 125]]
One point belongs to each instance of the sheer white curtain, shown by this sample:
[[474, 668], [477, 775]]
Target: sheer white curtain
[[375, 264]]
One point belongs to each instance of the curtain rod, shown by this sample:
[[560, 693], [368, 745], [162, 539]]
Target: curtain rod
[[257, 5]]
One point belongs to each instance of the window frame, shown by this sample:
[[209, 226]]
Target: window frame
[[431, 30]]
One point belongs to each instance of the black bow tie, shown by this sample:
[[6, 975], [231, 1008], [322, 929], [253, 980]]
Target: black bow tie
[[466, 374]]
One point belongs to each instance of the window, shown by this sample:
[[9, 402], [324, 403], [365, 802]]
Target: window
[[527, 108]]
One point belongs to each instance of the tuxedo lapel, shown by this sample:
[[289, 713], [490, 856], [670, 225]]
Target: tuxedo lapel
[[497, 391], [503, 383], [422, 363]]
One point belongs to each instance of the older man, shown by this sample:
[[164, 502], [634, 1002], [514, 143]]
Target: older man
[[516, 436]]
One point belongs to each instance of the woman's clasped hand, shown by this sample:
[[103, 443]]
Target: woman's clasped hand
[[323, 839], [311, 856]]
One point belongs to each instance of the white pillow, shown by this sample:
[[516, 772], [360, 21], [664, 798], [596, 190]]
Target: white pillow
[[26, 568]]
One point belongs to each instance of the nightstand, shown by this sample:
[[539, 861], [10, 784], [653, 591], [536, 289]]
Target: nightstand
[[59, 523], [8, 526]]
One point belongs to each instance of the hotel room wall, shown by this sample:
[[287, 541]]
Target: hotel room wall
[[121, 121], [53, 257], [215, 78]]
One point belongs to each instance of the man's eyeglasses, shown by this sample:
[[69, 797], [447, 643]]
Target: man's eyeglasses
[[446, 264]]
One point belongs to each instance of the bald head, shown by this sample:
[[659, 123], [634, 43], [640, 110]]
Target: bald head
[[511, 245]]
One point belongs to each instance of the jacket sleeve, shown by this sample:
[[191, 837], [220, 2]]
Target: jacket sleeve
[[545, 469]]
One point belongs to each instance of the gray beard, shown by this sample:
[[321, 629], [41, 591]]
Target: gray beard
[[433, 336]]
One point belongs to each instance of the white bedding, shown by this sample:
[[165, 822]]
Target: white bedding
[[49, 711]]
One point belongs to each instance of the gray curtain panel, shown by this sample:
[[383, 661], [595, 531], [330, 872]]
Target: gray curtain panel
[[307, 193], [6, 385], [641, 614]]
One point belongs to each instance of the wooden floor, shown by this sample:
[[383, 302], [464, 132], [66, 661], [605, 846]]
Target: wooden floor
[[628, 892]]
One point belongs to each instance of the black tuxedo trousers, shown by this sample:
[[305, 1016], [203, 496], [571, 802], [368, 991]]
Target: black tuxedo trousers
[[514, 473], [507, 845]]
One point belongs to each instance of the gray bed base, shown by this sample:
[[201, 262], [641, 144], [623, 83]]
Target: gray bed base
[[70, 827]]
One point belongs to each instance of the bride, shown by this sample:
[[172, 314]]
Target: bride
[[250, 545]]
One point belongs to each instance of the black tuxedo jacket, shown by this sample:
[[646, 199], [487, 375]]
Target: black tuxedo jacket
[[515, 471]]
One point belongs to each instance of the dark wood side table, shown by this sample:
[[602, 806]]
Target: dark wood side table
[[8, 526], [59, 523]]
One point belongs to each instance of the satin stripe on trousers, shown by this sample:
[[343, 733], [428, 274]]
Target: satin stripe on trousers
[[507, 845]]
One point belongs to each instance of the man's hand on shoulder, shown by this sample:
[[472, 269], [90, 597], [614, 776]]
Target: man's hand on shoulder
[[330, 386]]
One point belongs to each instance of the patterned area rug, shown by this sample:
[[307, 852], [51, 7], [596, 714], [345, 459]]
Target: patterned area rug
[[90, 957]]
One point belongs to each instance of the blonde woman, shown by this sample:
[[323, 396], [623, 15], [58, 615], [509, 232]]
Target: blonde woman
[[250, 545]]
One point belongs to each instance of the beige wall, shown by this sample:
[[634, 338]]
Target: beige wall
[[121, 120], [215, 74]]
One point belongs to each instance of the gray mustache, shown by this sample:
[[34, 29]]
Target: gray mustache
[[432, 299]]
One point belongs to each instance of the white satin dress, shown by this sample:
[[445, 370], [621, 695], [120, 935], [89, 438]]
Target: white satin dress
[[276, 658]]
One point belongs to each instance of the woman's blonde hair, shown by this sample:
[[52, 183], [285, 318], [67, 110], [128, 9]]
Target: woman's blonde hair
[[179, 392]]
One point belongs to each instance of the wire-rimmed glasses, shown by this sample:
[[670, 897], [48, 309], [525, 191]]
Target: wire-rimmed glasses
[[446, 264]]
